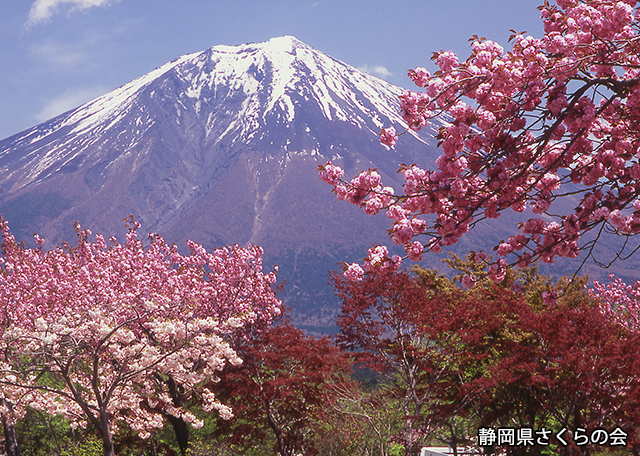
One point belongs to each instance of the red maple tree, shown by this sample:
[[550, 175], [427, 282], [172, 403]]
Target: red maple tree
[[495, 355], [280, 387]]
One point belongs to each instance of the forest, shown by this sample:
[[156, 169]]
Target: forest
[[98, 356]]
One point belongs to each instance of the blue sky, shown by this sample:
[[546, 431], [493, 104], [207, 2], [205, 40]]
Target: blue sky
[[58, 54]]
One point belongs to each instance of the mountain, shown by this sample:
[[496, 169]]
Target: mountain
[[220, 147]]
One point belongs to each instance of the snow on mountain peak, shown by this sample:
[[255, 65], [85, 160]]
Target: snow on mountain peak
[[270, 74], [222, 95]]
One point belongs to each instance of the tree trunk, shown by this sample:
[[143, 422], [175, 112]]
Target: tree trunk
[[179, 425], [152, 449], [277, 430], [410, 444], [105, 430], [10, 443], [282, 443], [182, 433]]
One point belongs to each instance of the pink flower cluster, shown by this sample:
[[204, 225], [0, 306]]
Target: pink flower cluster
[[331, 174], [380, 261], [388, 136], [619, 301], [562, 109], [354, 272], [106, 322]]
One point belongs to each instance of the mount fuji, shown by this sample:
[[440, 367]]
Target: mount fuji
[[220, 147]]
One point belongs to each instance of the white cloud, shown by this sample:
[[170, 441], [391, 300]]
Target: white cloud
[[60, 56], [43, 10], [376, 70], [70, 99]]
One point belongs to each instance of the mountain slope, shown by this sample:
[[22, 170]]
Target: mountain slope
[[218, 146]]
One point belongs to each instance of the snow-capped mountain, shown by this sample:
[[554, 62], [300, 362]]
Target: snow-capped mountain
[[223, 96], [218, 146]]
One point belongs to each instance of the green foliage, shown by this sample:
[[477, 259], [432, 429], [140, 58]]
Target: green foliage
[[433, 282], [201, 447], [41, 434], [90, 446]]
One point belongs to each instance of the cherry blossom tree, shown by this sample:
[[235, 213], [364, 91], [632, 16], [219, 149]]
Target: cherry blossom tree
[[619, 301], [551, 123], [97, 332]]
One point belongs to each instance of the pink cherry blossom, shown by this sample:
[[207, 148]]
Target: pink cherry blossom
[[354, 273], [560, 109], [497, 270], [380, 261], [388, 136], [419, 76], [619, 301], [549, 298], [415, 251], [111, 325], [469, 281], [331, 174], [480, 257]]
